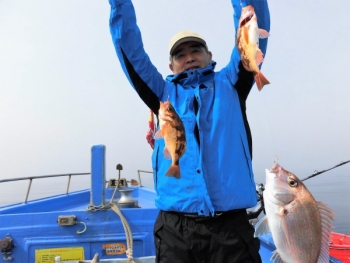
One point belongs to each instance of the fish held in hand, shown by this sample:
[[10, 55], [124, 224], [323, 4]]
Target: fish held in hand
[[300, 226], [248, 44], [173, 132]]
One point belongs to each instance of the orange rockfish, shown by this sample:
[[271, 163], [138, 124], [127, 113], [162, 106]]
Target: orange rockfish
[[173, 132], [300, 226], [248, 44]]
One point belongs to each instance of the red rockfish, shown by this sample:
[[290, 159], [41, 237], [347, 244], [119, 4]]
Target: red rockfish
[[173, 132], [248, 44], [300, 226]]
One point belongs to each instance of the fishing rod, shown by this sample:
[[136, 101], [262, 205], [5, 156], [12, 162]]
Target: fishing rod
[[317, 173]]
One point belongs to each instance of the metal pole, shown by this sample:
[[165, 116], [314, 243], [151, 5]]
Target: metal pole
[[68, 183], [138, 171], [30, 184]]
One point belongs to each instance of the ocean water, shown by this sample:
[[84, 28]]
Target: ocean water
[[331, 188]]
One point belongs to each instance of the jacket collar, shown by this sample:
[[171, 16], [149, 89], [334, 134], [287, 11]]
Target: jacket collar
[[193, 77]]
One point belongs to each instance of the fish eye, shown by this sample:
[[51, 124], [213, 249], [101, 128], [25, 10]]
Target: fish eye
[[292, 182]]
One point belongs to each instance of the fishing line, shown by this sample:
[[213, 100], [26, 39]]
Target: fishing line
[[317, 173], [266, 117]]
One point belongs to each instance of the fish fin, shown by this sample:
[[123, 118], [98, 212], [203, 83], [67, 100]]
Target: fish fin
[[262, 227], [166, 153], [263, 33], [326, 212], [327, 215], [158, 135], [259, 57], [174, 170], [276, 258], [260, 80]]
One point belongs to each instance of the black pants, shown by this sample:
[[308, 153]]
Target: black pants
[[226, 238]]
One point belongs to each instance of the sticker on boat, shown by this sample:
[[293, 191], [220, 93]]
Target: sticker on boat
[[114, 249], [66, 253]]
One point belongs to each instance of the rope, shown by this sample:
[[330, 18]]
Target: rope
[[94, 208], [127, 230], [128, 233]]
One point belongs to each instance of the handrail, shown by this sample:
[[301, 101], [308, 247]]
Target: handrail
[[142, 171], [30, 178]]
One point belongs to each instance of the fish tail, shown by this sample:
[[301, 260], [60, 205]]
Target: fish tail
[[260, 80], [174, 170]]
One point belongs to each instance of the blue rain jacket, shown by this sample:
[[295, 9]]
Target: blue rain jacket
[[216, 169]]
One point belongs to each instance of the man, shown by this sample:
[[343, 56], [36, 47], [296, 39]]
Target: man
[[202, 214]]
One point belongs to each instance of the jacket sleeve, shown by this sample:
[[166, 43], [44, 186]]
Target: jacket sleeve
[[234, 70], [139, 70]]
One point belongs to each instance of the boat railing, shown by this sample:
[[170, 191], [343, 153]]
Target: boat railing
[[139, 175], [31, 178]]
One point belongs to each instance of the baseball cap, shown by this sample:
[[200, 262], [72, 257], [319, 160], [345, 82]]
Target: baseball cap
[[185, 36]]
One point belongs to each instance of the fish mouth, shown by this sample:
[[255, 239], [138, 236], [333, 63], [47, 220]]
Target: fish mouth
[[272, 173], [275, 189], [246, 20]]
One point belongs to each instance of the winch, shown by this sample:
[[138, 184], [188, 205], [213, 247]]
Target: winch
[[126, 199]]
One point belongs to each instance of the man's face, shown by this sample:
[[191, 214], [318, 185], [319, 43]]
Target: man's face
[[189, 55]]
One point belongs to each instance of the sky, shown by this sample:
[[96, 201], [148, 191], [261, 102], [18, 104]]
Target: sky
[[62, 89]]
